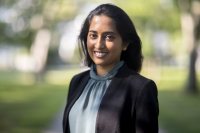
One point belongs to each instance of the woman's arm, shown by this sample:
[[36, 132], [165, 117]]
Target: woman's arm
[[147, 109]]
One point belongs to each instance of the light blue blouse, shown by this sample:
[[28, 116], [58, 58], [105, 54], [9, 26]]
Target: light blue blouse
[[82, 116]]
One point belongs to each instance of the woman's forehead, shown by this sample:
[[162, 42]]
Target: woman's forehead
[[102, 22]]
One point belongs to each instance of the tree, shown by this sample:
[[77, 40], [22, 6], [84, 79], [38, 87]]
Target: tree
[[34, 24], [187, 13], [190, 20]]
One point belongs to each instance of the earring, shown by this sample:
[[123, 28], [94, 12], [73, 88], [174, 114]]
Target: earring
[[125, 48]]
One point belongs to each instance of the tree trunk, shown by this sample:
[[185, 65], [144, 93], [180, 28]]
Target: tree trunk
[[190, 16], [192, 79], [39, 52]]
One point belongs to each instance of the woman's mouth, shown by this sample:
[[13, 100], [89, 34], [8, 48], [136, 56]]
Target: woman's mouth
[[100, 54]]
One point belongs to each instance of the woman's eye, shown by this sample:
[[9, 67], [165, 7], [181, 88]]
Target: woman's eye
[[93, 36], [109, 37]]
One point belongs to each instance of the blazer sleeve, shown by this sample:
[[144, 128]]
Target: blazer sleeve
[[73, 83], [64, 121], [147, 109], [74, 86]]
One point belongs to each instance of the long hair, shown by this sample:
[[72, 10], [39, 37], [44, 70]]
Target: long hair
[[133, 55]]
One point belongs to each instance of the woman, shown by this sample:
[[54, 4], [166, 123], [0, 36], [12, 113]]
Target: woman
[[111, 97]]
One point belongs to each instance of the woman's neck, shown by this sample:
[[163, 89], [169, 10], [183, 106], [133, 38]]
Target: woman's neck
[[101, 71]]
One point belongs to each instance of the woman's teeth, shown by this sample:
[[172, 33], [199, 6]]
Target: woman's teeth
[[99, 54]]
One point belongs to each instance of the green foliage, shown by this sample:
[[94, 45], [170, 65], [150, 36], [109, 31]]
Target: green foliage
[[7, 2], [52, 13], [152, 14], [147, 16]]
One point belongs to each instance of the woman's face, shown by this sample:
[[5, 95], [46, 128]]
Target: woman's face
[[104, 43]]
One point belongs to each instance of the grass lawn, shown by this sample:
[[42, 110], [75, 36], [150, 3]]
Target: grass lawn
[[26, 107], [179, 111]]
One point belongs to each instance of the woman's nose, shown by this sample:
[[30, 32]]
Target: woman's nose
[[100, 43]]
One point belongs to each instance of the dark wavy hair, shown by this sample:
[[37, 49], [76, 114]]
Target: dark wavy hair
[[133, 55]]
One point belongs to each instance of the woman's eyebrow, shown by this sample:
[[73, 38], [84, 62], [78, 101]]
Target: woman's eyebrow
[[105, 33], [93, 31], [110, 32]]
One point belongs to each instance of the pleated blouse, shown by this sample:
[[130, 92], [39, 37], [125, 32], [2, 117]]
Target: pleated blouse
[[83, 114]]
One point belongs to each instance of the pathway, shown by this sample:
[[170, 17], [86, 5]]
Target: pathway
[[56, 125]]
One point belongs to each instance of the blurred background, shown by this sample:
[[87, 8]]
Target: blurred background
[[39, 55]]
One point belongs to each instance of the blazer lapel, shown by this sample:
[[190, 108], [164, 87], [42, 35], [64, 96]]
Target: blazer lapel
[[110, 99], [78, 89], [77, 93]]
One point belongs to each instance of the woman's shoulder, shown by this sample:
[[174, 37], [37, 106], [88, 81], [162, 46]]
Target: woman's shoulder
[[139, 84], [78, 79], [131, 74], [135, 78]]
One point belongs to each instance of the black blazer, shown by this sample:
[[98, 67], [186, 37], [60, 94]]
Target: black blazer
[[130, 104]]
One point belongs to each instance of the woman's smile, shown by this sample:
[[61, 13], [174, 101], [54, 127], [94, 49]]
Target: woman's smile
[[100, 54]]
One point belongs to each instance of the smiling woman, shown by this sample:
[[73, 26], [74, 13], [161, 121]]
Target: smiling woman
[[104, 44], [111, 97]]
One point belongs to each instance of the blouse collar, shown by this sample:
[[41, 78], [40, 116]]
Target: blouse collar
[[109, 75]]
